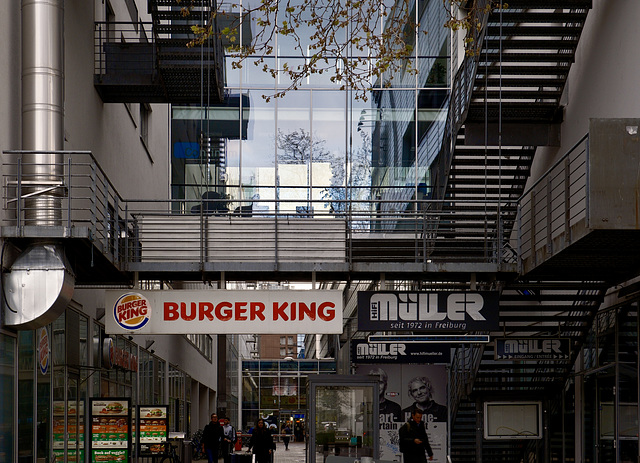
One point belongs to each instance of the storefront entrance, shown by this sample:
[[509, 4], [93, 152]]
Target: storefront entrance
[[343, 417]]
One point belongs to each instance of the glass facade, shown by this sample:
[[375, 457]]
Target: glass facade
[[276, 391], [611, 392], [7, 386], [50, 373], [319, 146]]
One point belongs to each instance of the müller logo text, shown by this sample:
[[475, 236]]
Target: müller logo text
[[427, 310], [381, 349]]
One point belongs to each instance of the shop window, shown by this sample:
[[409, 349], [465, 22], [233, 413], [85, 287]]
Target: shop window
[[7, 378]]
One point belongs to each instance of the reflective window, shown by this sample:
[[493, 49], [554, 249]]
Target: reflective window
[[7, 381]]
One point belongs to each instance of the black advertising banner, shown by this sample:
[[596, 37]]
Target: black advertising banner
[[445, 311], [110, 430], [398, 352], [550, 349]]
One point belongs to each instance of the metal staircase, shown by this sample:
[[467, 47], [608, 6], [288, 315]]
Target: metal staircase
[[528, 309], [151, 63], [508, 107]]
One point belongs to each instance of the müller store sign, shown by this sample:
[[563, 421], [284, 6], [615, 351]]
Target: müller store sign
[[223, 311]]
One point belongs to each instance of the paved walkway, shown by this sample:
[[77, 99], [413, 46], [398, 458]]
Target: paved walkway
[[295, 454]]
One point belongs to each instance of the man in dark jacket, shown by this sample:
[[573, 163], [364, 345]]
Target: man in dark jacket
[[211, 436], [414, 443]]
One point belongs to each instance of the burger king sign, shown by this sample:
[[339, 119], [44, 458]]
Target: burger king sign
[[224, 311], [132, 311]]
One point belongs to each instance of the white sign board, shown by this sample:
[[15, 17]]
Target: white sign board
[[222, 311], [513, 420]]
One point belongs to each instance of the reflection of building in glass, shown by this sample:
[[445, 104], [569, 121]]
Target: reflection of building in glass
[[408, 120], [378, 150]]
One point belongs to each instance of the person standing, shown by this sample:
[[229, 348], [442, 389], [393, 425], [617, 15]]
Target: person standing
[[261, 443], [414, 443], [286, 435], [211, 437], [229, 438]]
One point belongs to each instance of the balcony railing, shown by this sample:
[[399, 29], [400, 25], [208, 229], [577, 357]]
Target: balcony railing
[[286, 228], [554, 204]]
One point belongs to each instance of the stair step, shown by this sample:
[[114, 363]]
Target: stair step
[[524, 30]]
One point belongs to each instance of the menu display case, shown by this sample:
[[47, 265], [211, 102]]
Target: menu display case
[[110, 430], [153, 430]]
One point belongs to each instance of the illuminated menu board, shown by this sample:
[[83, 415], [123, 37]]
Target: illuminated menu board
[[110, 430], [153, 430]]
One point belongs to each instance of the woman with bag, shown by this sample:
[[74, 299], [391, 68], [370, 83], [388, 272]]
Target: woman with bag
[[261, 443]]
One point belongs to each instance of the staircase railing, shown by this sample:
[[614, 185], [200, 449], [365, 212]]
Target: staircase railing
[[459, 102]]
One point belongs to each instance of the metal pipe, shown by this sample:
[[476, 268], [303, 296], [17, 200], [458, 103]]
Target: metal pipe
[[42, 109]]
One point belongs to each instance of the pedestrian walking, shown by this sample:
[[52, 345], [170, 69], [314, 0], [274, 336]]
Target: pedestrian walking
[[414, 443]]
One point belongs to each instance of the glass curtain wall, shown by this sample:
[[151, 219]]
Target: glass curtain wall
[[7, 406], [611, 390], [317, 150]]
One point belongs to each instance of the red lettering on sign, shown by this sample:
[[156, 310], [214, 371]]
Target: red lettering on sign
[[328, 314], [224, 315], [255, 310], [205, 309], [308, 311], [240, 311], [278, 311], [171, 311], [192, 313]]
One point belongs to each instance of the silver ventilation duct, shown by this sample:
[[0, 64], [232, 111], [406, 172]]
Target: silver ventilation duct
[[42, 109], [40, 285]]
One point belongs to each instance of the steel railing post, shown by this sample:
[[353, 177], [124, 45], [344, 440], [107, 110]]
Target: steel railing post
[[94, 201], [549, 212], [69, 193], [126, 235], [19, 193], [587, 182], [567, 202]]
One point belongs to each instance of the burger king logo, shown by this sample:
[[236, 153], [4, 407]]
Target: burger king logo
[[43, 350], [132, 311]]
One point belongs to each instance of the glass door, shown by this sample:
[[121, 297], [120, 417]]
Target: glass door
[[343, 417]]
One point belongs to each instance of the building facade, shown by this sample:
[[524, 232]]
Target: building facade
[[507, 169]]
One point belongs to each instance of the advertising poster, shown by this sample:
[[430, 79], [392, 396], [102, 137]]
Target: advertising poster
[[110, 430], [154, 429], [401, 388]]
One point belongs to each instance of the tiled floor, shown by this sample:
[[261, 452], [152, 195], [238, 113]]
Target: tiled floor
[[295, 454]]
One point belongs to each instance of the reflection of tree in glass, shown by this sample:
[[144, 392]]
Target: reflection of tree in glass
[[358, 181], [298, 147], [335, 404]]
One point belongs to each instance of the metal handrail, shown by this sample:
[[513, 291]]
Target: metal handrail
[[554, 203]]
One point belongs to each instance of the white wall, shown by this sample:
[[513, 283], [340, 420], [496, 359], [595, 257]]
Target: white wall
[[109, 130], [605, 78]]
